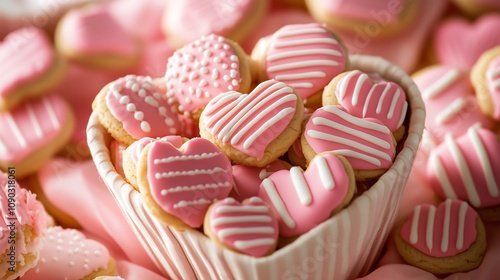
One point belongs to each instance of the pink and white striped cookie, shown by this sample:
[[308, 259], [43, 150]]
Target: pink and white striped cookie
[[449, 238], [179, 184], [303, 199], [305, 56], [369, 96], [203, 69], [467, 168], [33, 132], [485, 77], [450, 103], [367, 144], [257, 128], [134, 107], [249, 227]]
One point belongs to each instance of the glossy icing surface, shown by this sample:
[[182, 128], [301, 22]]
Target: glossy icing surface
[[362, 10]]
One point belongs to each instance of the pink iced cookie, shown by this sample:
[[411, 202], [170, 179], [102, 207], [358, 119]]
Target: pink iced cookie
[[34, 132], [134, 107], [303, 199], [369, 96], [256, 128], [450, 102], [186, 21], [249, 227], [485, 77], [22, 225], [67, 254], [154, 58], [178, 185], [247, 179], [467, 168], [459, 43], [202, 70], [30, 67], [367, 144]]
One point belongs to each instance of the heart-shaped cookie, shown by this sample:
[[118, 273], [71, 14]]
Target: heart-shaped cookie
[[249, 227], [368, 96], [302, 200], [255, 128], [367, 144], [178, 185]]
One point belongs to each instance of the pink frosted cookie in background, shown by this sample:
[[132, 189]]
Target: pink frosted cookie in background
[[91, 36], [68, 254], [153, 62], [485, 77], [33, 133], [476, 8], [188, 20], [22, 225], [30, 67], [450, 102]]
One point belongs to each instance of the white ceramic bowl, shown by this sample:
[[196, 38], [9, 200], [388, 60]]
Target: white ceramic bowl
[[343, 247]]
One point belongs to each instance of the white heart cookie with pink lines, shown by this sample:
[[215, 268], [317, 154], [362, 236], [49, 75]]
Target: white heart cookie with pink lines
[[179, 184], [485, 77], [369, 96], [249, 227], [256, 128], [366, 143], [133, 107], [304, 199]]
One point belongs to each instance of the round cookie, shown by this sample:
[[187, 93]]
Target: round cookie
[[485, 77], [446, 239], [256, 128]]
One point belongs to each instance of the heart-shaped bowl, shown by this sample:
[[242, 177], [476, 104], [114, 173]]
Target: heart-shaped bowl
[[343, 247]]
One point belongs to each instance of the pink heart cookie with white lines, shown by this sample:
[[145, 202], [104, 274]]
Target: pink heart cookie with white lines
[[303, 199], [368, 96], [178, 185], [367, 144], [249, 227], [256, 128], [134, 107], [485, 77]]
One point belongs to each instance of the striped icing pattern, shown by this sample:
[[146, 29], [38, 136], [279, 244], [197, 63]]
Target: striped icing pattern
[[249, 227], [305, 56], [303, 199], [250, 122], [366, 143], [185, 182], [467, 168], [31, 126], [368, 96], [442, 231], [493, 83]]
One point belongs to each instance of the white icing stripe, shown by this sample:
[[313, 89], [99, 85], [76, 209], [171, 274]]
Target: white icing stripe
[[300, 64], [431, 216], [240, 244], [442, 83], [278, 203], [263, 174], [179, 189], [493, 72], [485, 161], [225, 232], [287, 33], [241, 209], [380, 103], [3, 148], [34, 121], [403, 114], [305, 42], [356, 155], [465, 173], [15, 129], [185, 203], [442, 176], [304, 75], [171, 174], [51, 113], [229, 99], [344, 82], [186, 157], [295, 53], [301, 85], [446, 227], [238, 219], [267, 125], [414, 225], [300, 185], [450, 111], [325, 174], [367, 101], [461, 225], [395, 98], [349, 118], [357, 88]]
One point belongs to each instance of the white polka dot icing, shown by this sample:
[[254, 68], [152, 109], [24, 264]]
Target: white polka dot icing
[[140, 105]]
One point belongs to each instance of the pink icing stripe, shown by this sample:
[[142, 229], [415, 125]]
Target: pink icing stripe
[[139, 104], [249, 122], [30, 126], [444, 231], [388, 10], [467, 168], [249, 227], [302, 200], [379, 99], [366, 143], [201, 70], [24, 58], [184, 184], [305, 56], [493, 83]]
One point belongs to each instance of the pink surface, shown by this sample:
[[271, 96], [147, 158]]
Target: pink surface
[[136, 148], [493, 84], [153, 62]]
